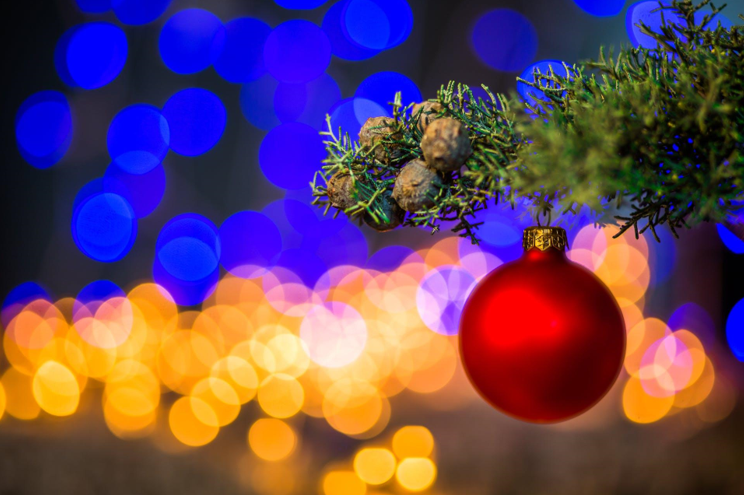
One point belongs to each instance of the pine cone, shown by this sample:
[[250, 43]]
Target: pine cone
[[416, 186], [430, 111], [375, 130], [394, 213], [341, 190], [446, 144]]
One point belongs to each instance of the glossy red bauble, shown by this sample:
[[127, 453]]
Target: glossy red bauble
[[542, 338]]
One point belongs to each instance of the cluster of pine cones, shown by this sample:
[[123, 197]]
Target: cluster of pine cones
[[445, 146]]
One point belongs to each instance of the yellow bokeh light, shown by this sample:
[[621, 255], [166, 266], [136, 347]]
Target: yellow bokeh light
[[343, 483], [374, 466], [222, 400], [272, 439], [416, 474], [20, 402], [641, 407], [186, 425], [413, 441], [281, 396], [239, 374], [2, 400], [56, 389]]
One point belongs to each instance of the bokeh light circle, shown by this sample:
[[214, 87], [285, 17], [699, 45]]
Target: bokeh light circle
[[350, 114], [297, 51], [191, 40], [187, 258], [104, 227], [341, 46], [307, 103], [300, 4], [290, 154], [735, 330], [94, 6], [544, 67], [138, 138], [601, 8], [441, 297], [251, 244], [334, 334], [91, 55], [377, 24], [196, 119], [43, 128], [142, 191], [257, 102], [382, 87], [242, 58], [139, 12], [504, 40], [730, 240]]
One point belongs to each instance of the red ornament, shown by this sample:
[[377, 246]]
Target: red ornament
[[542, 338]]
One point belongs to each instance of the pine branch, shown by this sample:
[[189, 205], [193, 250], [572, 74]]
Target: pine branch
[[655, 134]]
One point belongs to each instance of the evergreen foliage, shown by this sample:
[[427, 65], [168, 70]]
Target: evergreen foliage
[[643, 138]]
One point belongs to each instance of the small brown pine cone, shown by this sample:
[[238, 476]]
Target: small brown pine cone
[[394, 214], [416, 186], [375, 130], [446, 144], [430, 111], [341, 190]]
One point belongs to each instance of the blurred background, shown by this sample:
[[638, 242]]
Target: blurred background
[[178, 318]]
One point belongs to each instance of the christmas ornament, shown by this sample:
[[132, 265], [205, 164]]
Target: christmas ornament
[[542, 338]]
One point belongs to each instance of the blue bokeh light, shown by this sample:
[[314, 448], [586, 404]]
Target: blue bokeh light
[[290, 154], [350, 115], [139, 12], [306, 103], [94, 6], [306, 264], [601, 8], [735, 330], [377, 24], [532, 95], [300, 4], [257, 102], [191, 41], [19, 298], [348, 246], [279, 212], [196, 119], [91, 55], [297, 51], [104, 226], [43, 128], [730, 240], [644, 11], [505, 40], [341, 45], [138, 138], [441, 297], [142, 191], [242, 58], [695, 318], [388, 258], [251, 244], [187, 258], [96, 293], [382, 87]]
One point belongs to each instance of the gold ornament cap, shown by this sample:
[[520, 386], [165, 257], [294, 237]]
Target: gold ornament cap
[[544, 238]]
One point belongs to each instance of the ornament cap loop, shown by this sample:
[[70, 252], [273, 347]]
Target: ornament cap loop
[[543, 238]]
